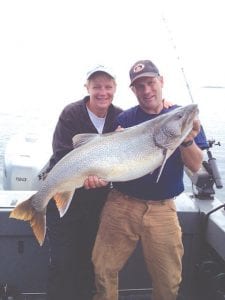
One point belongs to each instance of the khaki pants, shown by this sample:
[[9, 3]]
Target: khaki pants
[[126, 220]]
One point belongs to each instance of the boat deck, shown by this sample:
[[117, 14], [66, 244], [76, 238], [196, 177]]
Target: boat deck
[[24, 262]]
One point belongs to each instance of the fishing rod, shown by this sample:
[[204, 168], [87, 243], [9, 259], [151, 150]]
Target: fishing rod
[[177, 57], [204, 183]]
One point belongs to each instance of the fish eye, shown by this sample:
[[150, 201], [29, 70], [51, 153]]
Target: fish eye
[[179, 116]]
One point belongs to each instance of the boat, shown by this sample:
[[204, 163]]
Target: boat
[[23, 271], [25, 155]]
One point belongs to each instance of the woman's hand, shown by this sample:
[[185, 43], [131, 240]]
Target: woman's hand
[[92, 182]]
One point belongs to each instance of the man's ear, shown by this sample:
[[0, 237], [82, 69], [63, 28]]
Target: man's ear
[[162, 80], [132, 89]]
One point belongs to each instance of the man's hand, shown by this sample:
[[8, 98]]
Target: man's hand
[[195, 130], [93, 182]]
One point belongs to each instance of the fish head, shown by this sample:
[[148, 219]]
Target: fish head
[[173, 127]]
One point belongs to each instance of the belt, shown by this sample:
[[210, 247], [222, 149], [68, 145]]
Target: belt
[[159, 202]]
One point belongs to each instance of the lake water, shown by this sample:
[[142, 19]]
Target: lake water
[[36, 119]]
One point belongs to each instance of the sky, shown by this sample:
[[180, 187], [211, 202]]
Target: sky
[[47, 47]]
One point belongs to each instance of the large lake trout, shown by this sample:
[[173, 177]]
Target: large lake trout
[[118, 156]]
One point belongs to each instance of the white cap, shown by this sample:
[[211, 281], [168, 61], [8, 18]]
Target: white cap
[[100, 68]]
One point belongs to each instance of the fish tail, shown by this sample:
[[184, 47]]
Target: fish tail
[[25, 211]]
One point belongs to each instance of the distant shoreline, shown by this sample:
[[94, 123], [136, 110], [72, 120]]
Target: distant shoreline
[[213, 87]]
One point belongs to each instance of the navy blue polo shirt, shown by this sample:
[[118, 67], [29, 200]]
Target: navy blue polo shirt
[[170, 183]]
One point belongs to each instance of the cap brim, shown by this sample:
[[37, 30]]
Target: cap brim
[[101, 69], [148, 74]]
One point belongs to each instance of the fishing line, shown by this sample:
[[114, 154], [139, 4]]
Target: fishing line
[[178, 57]]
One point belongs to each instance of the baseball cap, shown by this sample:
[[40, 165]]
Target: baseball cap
[[100, 68], [143, 68]]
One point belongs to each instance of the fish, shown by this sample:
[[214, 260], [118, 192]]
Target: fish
[[114, 157]]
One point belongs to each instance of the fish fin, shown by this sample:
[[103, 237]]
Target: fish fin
[[26, 212], [38, 225], [63, 201], [43, 173], [117, 131], [166, 155], [83, 138]]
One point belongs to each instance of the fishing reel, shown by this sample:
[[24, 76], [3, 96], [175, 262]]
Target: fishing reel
[[203, 181]]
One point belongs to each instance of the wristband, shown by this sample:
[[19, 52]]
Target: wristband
[[187, 144]]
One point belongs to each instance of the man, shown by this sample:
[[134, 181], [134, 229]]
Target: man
[[143, 209], [71, 238]]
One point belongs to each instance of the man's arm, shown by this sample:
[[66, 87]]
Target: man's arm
[[191, 154]]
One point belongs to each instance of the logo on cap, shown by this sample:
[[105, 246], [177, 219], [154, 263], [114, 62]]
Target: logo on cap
[[138, 68]]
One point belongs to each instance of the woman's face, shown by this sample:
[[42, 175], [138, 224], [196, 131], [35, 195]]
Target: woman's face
[[101, 88]]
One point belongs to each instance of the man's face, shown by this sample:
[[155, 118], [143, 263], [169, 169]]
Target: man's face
[[148, 91]]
